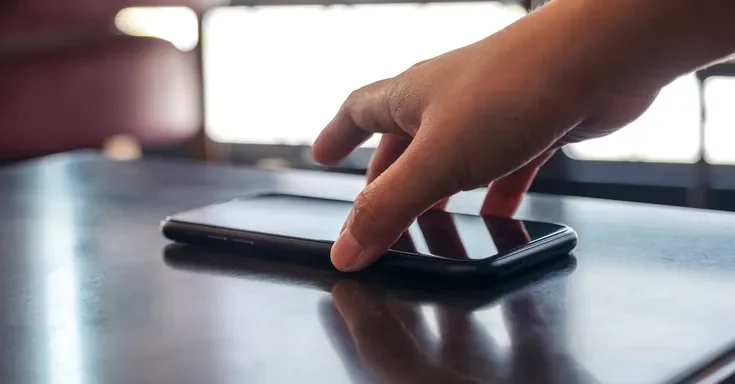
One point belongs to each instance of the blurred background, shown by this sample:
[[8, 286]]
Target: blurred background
[[252, 83]]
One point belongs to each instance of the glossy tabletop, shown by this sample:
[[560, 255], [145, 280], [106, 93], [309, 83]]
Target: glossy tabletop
[[90, 292]]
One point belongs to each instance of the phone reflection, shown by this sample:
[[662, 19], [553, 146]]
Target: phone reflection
[[384, 339], [381, 339], [380, 327], [267, 265], [464, 237]]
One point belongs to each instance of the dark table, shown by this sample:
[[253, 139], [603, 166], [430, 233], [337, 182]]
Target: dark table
[[89, 294]]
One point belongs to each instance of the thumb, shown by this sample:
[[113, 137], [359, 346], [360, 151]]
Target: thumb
[[387, 206]]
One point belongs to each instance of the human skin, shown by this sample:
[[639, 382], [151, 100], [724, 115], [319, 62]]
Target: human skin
[[494, 111]]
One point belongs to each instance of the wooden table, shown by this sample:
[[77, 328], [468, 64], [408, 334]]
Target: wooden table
[[89, 294]]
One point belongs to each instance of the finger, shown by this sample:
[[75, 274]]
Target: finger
[[504, 195], [420, 63], [441, 205], [387, 206], [441, 235], [405, 244], [507, 234], [364, 113], [384, 163], [391, 147], [390, 156]]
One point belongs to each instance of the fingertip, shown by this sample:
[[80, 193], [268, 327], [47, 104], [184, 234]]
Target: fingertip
[[328, 149], [333, 152], [338, 139], [346, 252], [348, 255], [325, 159], [386, 207], [323, 153]]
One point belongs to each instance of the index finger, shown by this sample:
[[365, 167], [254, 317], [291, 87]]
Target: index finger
[[364, 113]]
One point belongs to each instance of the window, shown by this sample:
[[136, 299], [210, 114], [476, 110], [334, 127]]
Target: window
[[177, 25], [719, 133], [668, 132], [278, 74]]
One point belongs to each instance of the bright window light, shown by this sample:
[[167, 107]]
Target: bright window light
[[278, 74], [177, 25], [719, 134], [668, 132]]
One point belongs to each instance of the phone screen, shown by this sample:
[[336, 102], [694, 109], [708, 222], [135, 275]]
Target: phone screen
[[435, 233]]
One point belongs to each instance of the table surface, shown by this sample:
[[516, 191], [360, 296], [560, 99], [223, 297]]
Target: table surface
[[89, 292]]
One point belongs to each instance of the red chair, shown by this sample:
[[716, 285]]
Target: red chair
[[68, 80]]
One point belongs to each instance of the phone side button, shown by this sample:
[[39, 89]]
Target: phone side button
[[243, 241], [217, 237]]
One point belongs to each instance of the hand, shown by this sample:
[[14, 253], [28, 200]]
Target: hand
[[386, 340], [383, 340], [489, 113]]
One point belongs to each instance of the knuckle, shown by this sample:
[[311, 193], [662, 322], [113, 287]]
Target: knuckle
[[405, 107], [354, 95], [360, 94], [368, 106], [418, 64], [352, 99], [352, 107]]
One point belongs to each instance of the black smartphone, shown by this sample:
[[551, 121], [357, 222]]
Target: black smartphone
[[438, 242]]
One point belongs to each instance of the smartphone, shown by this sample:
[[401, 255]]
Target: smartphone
[[438, 242]]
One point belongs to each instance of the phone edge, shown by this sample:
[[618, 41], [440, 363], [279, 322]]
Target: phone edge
[[554, 245]]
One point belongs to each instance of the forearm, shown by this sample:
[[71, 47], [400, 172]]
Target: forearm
[[654, 41], [641, 44], [619, 45]]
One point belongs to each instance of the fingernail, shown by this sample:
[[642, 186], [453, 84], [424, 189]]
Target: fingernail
[[346, 252]]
